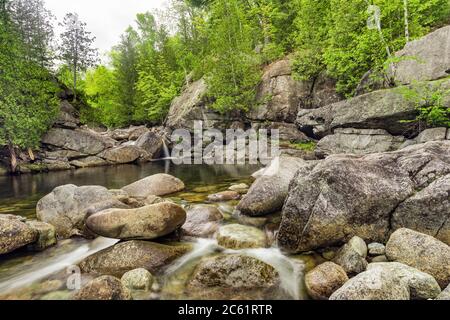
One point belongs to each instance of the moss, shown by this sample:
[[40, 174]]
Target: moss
[[305, 146]]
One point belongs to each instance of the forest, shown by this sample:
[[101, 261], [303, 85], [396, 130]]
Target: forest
[[226, 42]]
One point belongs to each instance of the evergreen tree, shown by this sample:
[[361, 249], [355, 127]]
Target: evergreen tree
[[76, 47]]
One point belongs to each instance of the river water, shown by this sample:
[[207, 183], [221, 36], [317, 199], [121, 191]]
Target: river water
[[26, 275]]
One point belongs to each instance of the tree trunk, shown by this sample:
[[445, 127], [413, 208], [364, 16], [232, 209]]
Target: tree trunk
[[405, 5], [13, 157]]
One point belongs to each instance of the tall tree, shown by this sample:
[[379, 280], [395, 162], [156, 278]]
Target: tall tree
[[76, 47], [34, 23]]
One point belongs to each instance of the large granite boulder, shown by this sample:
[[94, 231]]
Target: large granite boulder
[[358, 141], [130, 255], [324, 280], [269, 191], [383, 109], [156, 185], [83, 141], [146, 223], [422, 286], [424, 59], [66, 207], [375, 284], [348, 195], [422, 252], [15, 234]]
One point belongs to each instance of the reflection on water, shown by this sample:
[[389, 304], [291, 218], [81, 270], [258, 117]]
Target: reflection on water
[[19, 194]]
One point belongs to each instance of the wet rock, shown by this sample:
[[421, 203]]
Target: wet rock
[[324, 280], [422, 286], [103, 288], [146, 223], [224, 196], [46, 235], [358, 141], [138, 279], [156, 185], [122, 154], [89, 162], [66, 207], [352, 256], [83, 141], [130, 255], [423, 59], [375, 284], [151, 143], [269, 191], [231, 274], [422, 252], [15, 234], [348, 195], [202, 221], [377, 249], [236, 236]]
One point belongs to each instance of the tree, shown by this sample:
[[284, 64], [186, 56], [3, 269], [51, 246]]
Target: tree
[[28, 103], [76, 47], [34, 24]]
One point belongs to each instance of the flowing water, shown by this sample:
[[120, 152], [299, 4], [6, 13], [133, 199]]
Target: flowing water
[[27, 275]]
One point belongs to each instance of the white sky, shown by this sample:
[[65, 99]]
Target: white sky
[[106, 19]]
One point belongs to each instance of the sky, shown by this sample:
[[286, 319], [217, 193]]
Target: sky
[[106, 19]]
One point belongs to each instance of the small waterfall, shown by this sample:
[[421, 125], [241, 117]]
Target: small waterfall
[[166, 151], [48, 266]]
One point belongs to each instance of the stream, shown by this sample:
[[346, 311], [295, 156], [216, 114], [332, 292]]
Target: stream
[[26, 275]]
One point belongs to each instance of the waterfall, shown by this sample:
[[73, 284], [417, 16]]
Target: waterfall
[[166, 151]]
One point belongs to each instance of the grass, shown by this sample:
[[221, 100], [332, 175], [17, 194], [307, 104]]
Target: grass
[[305, 146]]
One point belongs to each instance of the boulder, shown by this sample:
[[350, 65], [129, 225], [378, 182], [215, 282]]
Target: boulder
[[113, 203], [383, 109], [434, 134], [424, 59], [64, 155], [287, 131], [231, 275], [151, 143], [202, 221], [352, 256], [66, 207], [445, 295], [422, 252], [46, 235], [68, 116], [427, 211], [122, 154], [358, 141], [421, 285], [224, 196], [348, 195], [270, 190], [137, 132], [83, 141], [89, 162], [324, 280], [130, 255], [146, 223], [156, 185], [15, 234], [103, 288], [375, 284], [138, 279], [241, 188], [237, 236]]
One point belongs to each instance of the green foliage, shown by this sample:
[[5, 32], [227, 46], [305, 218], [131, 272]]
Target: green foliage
[[430, 104], [305, 146], [28, 103]]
